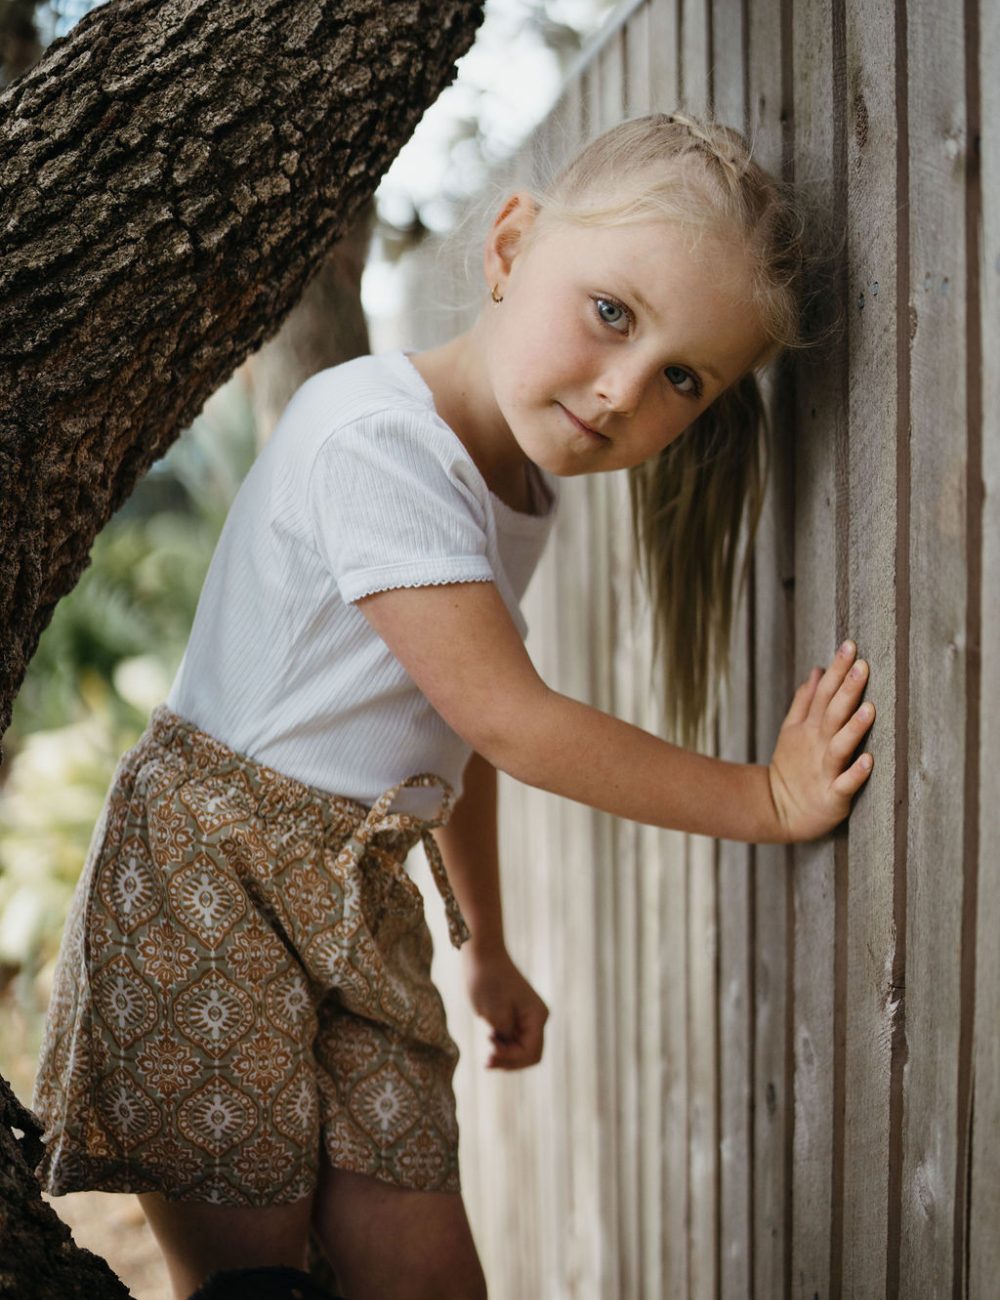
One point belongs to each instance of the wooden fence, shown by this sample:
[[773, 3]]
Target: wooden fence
[[775, 1073]]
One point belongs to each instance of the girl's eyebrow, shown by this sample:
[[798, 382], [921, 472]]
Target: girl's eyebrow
[[710, 370], [634, 293]]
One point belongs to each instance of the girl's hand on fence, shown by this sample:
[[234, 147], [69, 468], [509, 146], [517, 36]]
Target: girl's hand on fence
[[813, 778], [507, 1002]]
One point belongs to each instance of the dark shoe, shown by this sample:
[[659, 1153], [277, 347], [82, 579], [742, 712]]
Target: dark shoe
[[260, 1284]]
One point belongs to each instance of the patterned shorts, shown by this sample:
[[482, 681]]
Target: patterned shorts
[[245, 973]]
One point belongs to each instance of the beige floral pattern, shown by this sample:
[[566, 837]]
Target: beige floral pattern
[[166, 955], [245, 975]]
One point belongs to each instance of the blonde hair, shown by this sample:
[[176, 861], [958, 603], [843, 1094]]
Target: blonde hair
[[696, 501]]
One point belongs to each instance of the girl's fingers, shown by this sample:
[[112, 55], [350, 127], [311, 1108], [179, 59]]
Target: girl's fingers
[[514, 1055], [847, 698], [803, 697], [851, 781], [849, 737], [510, 1059], [521, 1048], [832, 680]]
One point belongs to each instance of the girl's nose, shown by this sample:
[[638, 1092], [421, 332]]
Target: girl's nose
[[621, 387]]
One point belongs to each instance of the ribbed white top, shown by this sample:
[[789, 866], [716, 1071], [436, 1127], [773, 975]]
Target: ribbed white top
[[361, 488]]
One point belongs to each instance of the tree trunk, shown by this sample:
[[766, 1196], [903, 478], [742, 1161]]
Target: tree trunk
[[173, 172], [37, 1255]]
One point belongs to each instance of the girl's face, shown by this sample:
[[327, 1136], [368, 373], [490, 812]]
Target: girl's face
[[611, 339]]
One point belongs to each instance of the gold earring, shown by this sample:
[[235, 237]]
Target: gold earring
[[497, 297]]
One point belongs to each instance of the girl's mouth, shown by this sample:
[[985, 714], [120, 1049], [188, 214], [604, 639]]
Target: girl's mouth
[[594, 433]]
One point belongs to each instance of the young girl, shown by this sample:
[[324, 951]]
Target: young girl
[[243, 1028]]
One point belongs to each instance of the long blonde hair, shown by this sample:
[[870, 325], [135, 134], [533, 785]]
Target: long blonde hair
[[696, 505]]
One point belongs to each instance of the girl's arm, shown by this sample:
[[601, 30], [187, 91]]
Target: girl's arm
[[461, 648], [497, 989], [469, 847]]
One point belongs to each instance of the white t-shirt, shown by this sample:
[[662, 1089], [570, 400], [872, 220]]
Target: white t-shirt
[[361, 488]]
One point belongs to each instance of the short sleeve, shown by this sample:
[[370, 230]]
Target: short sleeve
[[395, 502]]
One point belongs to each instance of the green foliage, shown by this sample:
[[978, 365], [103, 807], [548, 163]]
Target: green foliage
[[104, 662]]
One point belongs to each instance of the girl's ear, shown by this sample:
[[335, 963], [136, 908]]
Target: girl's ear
[[507, 237]]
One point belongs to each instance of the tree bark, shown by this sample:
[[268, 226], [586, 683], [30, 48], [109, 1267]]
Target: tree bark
[[173, 172], [38, 1257]]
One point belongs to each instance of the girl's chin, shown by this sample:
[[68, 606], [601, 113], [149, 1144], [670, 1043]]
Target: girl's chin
[[567, 462], [556, 442]]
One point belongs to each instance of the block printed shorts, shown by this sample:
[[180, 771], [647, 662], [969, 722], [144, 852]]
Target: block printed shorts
[[245, 973]]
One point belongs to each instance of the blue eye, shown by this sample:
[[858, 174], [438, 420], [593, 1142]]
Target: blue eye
[[612, 313], [682, 380]]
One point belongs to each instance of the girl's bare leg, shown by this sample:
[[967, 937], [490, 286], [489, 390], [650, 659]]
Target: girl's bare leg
[[197, 1238], [388, 1243]]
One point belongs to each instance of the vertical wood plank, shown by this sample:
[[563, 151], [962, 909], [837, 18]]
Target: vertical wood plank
[[649, 953], [663, 942], [728, 54], [820, 525], [613, 78], [873, 1001], [771, 648], [735, 997], [674, 1099], [638, 91], [664, 55], [694, 56], [702, 1070], [984, 1211], [928, 1264], [975, 511]]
